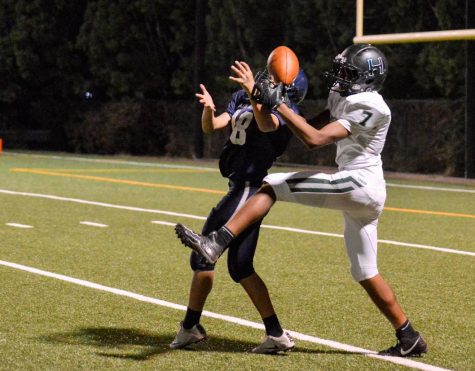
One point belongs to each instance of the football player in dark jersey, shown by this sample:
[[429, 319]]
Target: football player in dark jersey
[[258, 136]]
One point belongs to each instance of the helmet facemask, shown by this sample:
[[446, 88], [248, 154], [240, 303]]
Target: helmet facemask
[[342, 76]]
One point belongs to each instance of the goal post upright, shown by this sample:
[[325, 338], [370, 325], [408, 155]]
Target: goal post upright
[[470, 93], [359, 18], [467, 34]]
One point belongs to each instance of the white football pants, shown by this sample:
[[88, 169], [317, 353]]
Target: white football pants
[[360, 194]]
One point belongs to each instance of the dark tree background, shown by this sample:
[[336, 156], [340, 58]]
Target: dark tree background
[[136, 59]]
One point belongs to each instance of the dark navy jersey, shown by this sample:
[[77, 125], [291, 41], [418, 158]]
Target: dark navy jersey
[[249, 153]]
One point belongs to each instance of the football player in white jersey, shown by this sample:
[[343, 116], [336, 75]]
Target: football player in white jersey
[[358, 121]]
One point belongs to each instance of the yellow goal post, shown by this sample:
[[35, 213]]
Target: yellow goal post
[[407, 37], [467, 34]]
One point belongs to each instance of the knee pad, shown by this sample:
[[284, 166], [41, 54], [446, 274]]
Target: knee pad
[[363, 273], [238, 273], [199, 263]]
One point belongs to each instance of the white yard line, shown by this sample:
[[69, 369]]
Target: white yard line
[[387, 242], [190, 216], [17, 225], [163, 223], [297, 335], [427, 188], [93, 224], [117, 162]]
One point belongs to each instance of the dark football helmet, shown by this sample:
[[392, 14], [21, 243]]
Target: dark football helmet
[[358, 68], [297, 91]]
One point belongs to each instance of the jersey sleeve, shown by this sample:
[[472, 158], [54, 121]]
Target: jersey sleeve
[[236, 99]]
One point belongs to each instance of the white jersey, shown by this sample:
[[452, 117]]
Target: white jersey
[[367, 117]]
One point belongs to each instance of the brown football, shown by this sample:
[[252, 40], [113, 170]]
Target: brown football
[[283, 64]]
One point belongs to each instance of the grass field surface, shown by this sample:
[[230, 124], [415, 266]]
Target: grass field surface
[[93, 277]]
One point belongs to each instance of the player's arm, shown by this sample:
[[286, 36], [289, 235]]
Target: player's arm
[[210, 122], [310, 136], [266, 121]]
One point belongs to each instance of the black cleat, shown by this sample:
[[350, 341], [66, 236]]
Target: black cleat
[[407, 348], [206, 247]]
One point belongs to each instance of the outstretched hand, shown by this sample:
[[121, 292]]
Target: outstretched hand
[[205, 98], [267, 92], [243, 76]]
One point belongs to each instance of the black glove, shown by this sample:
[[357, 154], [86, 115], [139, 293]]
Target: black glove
[[268, 93]]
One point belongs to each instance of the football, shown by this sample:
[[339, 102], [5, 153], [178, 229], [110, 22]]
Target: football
[[283, 65]]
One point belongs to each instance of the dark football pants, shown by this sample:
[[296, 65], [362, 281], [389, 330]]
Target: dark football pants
[[242, 249]]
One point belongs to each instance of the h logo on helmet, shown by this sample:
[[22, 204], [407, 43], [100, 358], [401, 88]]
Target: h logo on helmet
[[372, 66]]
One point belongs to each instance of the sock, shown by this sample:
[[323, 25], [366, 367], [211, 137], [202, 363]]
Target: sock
[[272, 325], [192, 317], [406, 331], [225, 236]]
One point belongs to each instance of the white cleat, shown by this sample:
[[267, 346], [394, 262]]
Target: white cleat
[[186, 337], [273, 345]]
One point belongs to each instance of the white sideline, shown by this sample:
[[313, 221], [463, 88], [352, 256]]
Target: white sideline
[[297, 335], [18, 225], [163, 212], [93, 224], [117, 162]]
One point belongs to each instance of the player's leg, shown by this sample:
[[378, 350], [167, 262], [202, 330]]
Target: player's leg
[[203, 272], [191, 331], [360, 195], [361, 244], [213, 245], [240, 264], [257, 291], [384, 298], [276, 339], [410, 342], [255, 209], [308, 188], [331, 191], [241, 269], [200, 288]]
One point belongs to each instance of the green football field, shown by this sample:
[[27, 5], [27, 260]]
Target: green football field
[[92, 276]]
